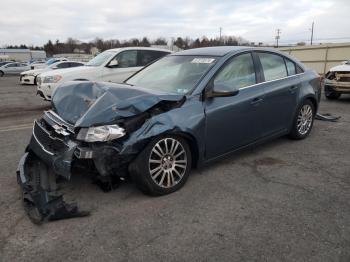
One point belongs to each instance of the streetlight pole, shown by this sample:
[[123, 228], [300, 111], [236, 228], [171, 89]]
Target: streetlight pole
[[312, 32]]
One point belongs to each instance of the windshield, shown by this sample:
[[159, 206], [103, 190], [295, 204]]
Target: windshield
[[51, 61], [173, 74], [101, 58]]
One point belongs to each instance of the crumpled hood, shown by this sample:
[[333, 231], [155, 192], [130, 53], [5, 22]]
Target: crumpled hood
[[85, 103]]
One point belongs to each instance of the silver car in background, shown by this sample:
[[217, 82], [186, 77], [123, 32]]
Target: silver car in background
[[14, 68]]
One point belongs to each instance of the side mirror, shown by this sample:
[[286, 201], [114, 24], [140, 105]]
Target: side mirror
[[113, 63], [221, 89]]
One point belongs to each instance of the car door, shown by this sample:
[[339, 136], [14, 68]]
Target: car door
[[121, 67], [234, 121], [281, 92], [11, 68]]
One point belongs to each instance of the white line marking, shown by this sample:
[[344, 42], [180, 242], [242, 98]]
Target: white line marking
[[14, 128]]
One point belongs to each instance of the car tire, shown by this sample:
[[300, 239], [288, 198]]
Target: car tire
[[163, 166], [303, 120], [1, 74], [34, 82], [332, 95]]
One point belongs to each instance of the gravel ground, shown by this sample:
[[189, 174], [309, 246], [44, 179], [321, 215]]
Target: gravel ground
[[282, 201]]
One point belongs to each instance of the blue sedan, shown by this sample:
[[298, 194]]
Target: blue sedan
[[182, 111]]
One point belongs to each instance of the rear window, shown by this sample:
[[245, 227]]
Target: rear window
[[273, 66]]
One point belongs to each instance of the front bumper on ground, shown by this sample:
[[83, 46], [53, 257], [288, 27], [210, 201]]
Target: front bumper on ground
[[37, 172], [52, 154]]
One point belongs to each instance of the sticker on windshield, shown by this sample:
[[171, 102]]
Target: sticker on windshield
[[203, 60]]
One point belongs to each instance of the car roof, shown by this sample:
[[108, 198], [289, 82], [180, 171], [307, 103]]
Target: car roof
[[212, 51], [139, 48]]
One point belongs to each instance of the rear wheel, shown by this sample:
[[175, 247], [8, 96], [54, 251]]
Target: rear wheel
[[303, 120], [163, 166]]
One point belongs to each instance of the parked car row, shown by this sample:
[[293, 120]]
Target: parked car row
[[182, 111], [30, 76]]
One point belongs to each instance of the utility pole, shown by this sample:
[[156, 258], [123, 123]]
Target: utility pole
[[277, 37], [312, 32], [220, 29]]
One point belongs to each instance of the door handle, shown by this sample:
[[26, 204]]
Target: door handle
[[256, 100]]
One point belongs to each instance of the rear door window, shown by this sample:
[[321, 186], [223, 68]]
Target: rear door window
[[147, 56], [273, 66]]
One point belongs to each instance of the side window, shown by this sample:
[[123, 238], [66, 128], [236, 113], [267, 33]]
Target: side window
[[63, 65], [273, 66], [74, 64], [127, 59], [290, 67], [299, 70], [146, 56], [12, 65], [238, 73]]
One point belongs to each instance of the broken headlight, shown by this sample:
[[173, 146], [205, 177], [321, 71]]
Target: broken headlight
[[100, 133]]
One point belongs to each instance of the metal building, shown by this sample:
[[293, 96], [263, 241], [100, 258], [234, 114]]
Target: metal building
[[21, 55]]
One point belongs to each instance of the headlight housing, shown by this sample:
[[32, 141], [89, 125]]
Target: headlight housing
[[52, 79], [101, 133]]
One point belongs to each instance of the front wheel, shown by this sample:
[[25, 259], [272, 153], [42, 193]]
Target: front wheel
[[1, 74], [163, 166], [332, 95], [303, 120]]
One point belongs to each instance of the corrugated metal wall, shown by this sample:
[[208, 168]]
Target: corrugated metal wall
[[320, 57]]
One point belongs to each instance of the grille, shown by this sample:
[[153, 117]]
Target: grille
[[49, 142], [344, 79], [52, 118]]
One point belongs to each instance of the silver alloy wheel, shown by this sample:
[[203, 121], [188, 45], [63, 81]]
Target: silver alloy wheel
[[167, 162], [304, 121]]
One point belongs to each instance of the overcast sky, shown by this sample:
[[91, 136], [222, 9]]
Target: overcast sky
[[36, 21]]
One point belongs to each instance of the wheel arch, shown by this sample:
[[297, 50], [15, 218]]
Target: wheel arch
[[193, 144], [313, 101]]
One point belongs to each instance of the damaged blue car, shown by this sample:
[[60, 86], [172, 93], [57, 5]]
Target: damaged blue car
[[182, 111]]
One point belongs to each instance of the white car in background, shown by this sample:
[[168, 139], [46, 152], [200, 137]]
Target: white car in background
[[14, 68], [29, 77], [114, 65], [47, 63]]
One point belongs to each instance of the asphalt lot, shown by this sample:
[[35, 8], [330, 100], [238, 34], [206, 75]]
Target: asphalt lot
[[283, 201]]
